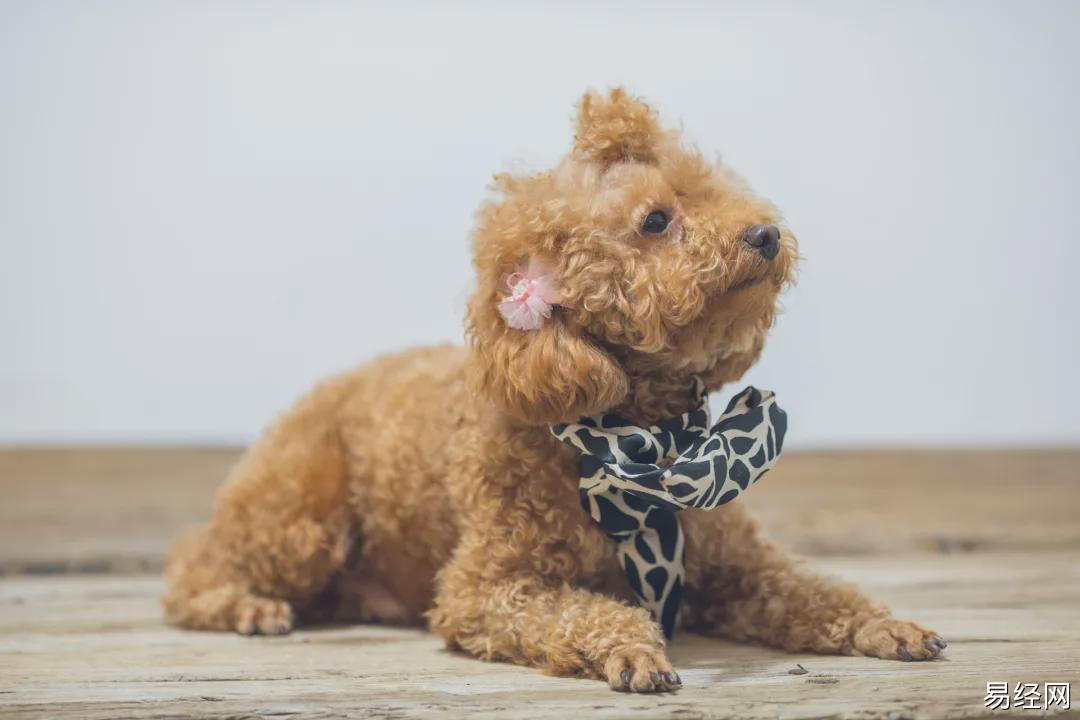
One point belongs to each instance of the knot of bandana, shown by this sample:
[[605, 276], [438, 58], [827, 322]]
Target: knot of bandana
[[634, 480]]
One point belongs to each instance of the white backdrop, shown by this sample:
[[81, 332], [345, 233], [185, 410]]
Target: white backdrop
[[205, 207]]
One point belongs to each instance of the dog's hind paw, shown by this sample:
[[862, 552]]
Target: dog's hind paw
[[263, 616]]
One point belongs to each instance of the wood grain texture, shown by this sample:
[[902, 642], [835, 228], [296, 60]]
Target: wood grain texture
[[983, 547]]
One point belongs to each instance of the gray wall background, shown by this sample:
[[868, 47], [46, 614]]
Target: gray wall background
[[207, 206]]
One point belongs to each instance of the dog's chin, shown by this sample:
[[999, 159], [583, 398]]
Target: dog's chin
[[699, 350], [731, 324], [727, 326]]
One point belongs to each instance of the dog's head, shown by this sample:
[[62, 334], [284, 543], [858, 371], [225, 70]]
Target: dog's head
[[664, 261]]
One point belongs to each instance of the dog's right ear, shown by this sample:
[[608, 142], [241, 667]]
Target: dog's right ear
[[548, 375]]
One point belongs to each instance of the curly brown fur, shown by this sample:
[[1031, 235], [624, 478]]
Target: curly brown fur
[[427, 483]]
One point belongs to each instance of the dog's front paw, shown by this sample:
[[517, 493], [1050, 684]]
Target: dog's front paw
[[898, 640], [640, 668], [256, 615]]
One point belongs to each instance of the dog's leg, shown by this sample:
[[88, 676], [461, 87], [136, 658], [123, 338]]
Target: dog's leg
[[280, 530], [543, 622], [206, 593], [741, 586]]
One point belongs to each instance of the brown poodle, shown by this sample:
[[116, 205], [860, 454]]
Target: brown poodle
[[429, 484]]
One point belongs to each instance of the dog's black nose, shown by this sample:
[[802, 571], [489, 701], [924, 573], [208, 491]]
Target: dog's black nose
[[763, 238]]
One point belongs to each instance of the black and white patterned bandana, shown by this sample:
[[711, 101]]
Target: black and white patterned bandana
[[634, 480]]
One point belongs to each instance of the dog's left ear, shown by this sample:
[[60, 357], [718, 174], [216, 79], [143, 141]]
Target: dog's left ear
[[547, 375], [616, 127]]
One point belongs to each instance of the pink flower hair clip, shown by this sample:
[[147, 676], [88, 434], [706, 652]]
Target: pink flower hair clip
[[532, 293]]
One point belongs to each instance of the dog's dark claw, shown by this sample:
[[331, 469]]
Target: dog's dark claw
[[654, 678], [935, 644], [672, 679], [903, 653], [625, 677]]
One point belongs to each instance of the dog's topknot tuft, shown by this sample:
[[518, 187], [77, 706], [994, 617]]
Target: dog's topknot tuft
[[616, 127]]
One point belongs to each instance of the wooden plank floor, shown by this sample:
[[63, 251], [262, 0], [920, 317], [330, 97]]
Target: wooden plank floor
[[983, 547]]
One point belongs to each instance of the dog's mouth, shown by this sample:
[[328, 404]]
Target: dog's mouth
[[747, 283], [716, 300], [754, 280]]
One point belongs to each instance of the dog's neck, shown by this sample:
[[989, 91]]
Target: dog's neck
[[655, 393]]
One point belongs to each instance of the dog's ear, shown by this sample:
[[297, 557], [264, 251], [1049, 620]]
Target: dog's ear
[[549, 375], [616, 127]]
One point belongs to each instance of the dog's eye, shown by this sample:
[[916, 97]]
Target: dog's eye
[[655, 222]]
